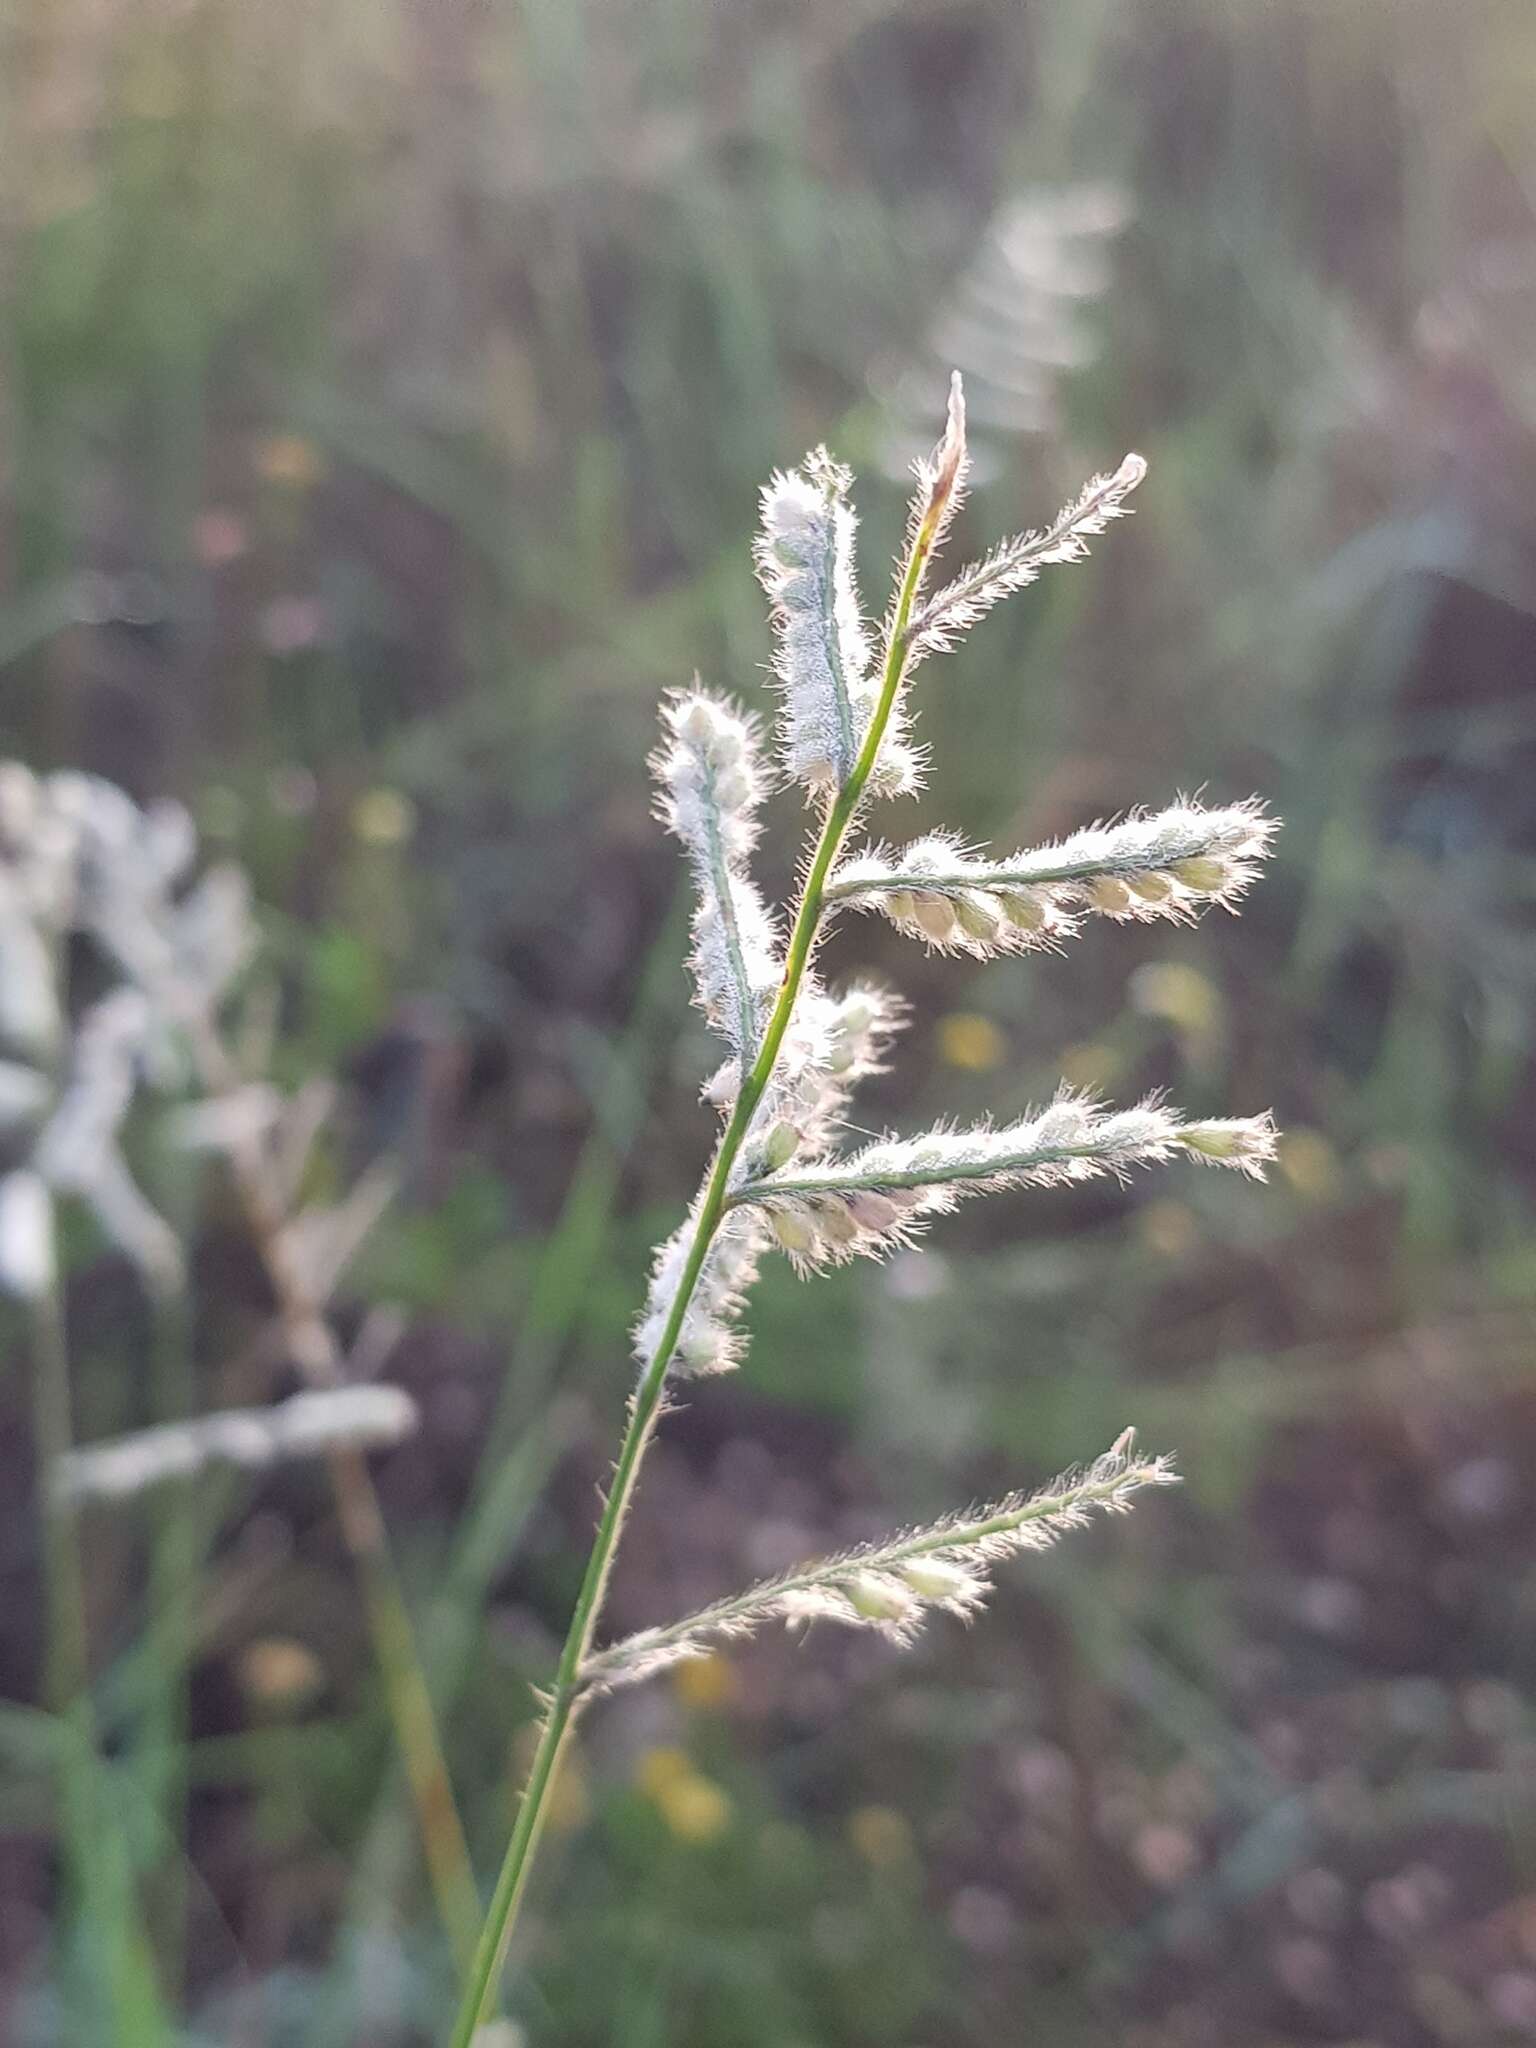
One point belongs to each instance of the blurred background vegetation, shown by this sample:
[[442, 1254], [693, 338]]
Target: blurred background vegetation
[[384, 391]]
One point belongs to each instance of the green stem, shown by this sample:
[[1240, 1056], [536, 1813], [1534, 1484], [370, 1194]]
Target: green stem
[[408, 1699], [1006, 875], [173, 1578], [645, 1408], [93, 1853], [65, 1679]]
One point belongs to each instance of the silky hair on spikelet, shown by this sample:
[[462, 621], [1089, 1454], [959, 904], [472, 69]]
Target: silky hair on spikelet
[[822, 658], [823, 1212], [894, 1587], [1169, 864], [710, 782]]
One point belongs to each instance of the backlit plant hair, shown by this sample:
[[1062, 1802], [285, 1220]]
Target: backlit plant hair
[[777, 1179]]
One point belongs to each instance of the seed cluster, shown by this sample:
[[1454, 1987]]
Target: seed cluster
[[1166, 864], [864, 1203]]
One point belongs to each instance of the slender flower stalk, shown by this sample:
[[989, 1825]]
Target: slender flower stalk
[[795, 1050]]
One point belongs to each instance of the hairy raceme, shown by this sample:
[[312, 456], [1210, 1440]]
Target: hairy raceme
[[709, 1338], [1015, 564], [825, 1211], [781, 1176], [822, 657], [1164, 864], [894, 1586], [303, 1426], [80, 860], [710, 782]]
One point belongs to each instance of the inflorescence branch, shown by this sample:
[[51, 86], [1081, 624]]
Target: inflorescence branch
[[892, 1587]]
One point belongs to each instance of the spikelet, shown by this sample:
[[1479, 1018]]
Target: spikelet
[[940, 478], [710, 1339], [805, 562], [27, 1256], [711, 783], [823, 1212], [304, 1426], [1015, 563], [893, 1587], [1165, 864], [78, 1150]]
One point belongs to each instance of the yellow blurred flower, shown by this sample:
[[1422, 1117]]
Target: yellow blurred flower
[[971, 1041], [1168, 1228], [1188, 999], [1092, 1066], [1309, 1163], [695, 1809], [568, 1803], [881, 1836], [661, 1768], [383, 817], [290, 461], [706, 1682], [277, 1672]]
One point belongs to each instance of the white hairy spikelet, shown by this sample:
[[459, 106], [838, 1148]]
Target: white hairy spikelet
[[832, 1043], [78, 1151], [941, 484], [893, 1587], [79, 856], [304, 1426], [805, 562], [823, 667], [27, 1258], [826, 1211], [1164, 864], [941, 481], [1015, 563], [30, 1018], [711, 1339], [711, 782]]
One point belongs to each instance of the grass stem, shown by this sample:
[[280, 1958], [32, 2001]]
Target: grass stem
[[496, 1934]]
